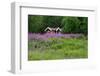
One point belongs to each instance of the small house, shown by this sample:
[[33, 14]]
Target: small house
[[52, 30]]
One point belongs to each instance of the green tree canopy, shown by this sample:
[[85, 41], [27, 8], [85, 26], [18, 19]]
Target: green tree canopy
[[37, 23]]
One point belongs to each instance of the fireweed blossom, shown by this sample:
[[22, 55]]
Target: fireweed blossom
[[38, 36]]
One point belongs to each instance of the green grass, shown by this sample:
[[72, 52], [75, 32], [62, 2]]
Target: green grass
[[58, 48]]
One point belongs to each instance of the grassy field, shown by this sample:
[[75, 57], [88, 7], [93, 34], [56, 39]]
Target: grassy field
[[57, 48]]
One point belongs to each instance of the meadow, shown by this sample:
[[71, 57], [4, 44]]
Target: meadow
[[57, 48], [57, 37]]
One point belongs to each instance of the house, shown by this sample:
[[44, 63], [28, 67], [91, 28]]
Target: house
[[52, 30]]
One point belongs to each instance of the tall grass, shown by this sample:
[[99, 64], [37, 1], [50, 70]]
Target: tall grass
[[57, 48]]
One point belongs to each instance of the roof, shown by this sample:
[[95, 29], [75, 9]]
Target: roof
[[53, 29]]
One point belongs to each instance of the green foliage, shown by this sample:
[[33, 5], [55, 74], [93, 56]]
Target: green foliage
[[71, 24], [58, 48], [53, 21], [35, 23], [83, 25], [38, 23], [75, 25]]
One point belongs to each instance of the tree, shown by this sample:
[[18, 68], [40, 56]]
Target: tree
[[53, 21], [35, 23], [70, 24], [38, 23], [83, 25]]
